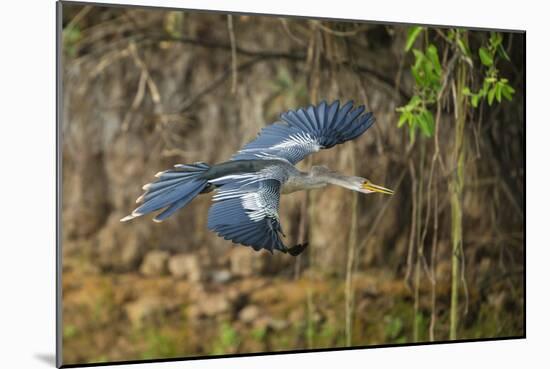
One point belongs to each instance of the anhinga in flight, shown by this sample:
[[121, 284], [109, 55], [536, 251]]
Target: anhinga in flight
[[249, 185]]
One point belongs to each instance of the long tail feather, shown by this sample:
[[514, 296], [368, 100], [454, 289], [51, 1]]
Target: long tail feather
[[173, 190]]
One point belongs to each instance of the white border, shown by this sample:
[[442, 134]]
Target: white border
[[27, 247]]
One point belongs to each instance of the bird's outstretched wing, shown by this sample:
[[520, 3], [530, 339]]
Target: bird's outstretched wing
[[307, 130], [248, 213]]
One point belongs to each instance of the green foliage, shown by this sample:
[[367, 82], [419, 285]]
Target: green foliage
[[412, 35], [227, 341], [71, 37], [494, 87], [420, 322], [327, 334], [159, 344], [426, 71], [393, 328], [459, 39], [259, 333], [415, 114], [173, 23], [69, 331], [485, 56]]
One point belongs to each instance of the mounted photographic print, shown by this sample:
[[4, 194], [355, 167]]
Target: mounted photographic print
[[240, 184]]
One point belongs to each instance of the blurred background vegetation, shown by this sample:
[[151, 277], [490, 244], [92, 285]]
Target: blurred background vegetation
[[144, 89]]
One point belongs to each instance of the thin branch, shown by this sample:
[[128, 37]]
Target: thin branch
[[108, 59], [413, 225], [448, 71], [293, 37], [138, 98], [341, 33], [218, 81], [153, 89], [382, 78], [302, 231], [144, 80], [352, 245], [433, 259], [153, 38], [463, 278], [233, 53], [272, 55], [79, 16], [509, 194], [420, 260], [380, 215]]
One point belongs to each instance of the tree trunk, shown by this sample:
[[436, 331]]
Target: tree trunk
[[455, 187]]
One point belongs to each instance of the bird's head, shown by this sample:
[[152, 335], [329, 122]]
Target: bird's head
[[354, 183], [369, 187]]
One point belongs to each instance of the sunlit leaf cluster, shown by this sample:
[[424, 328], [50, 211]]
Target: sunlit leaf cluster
[[426, 71], [494, 87], [428, 76]]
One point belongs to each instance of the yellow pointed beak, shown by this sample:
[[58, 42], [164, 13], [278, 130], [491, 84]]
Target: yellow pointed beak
[[375, 188]]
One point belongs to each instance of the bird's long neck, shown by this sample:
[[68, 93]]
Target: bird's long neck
[[303, 181], [338, 179], [312, 180]]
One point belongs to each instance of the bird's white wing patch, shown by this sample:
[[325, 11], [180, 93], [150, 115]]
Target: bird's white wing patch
[[253, 203], [299, 139], [248, 214], [307, 130]]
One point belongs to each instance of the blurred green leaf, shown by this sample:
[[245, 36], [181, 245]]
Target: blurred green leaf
[[259, 333], [71, 37], [173, 23], [394, 327], [434, 59], [462, 47], [412, 35], [498, 91], [412, 134], [485, 89], [402, 119], [475, 100], [71, 34], [485, 56], [426, 122], [227, 340], [419, 59], [495, 40], [508, 91], [69, 331], [491, 96], [415, 101], [503, 52]]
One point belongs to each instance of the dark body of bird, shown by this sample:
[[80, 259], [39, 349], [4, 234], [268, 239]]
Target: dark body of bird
[[248, 187]]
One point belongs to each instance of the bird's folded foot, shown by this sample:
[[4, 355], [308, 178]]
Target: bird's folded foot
[[297, 249]]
